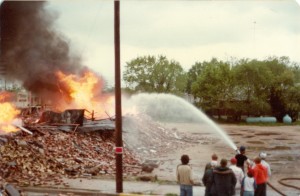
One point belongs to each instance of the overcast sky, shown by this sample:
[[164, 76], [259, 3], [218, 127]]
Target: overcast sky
[[185, 31]]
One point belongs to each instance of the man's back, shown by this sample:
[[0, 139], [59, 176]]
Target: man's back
[[241, 158], [184, 174], [239, 174], [224, 182]]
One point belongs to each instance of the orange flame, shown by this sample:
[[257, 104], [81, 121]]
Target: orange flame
[[85, 93], [7, 114]]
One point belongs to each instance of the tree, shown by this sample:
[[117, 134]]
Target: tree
[[213, 87], [282, 80], [193, 74], [292, 102], [151, 74], [251, 82]]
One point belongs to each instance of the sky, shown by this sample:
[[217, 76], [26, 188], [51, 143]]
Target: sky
[[186, 31]]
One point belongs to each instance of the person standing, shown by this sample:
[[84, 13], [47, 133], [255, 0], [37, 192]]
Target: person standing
[[263, 156], [239, 174], [185, 177], [241, 158], [214, 161], [223, 180], [248, 185], [260, 175], [207, 178]]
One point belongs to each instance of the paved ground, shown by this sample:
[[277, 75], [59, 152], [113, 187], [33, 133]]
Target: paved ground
[[108, 187]]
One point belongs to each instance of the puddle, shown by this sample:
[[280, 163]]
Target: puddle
[[249, 136], [255, 142], [234, 134], [281, 148], [267, 134]]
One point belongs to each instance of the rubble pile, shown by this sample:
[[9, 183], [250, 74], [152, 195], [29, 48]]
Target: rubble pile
[[46, 156]]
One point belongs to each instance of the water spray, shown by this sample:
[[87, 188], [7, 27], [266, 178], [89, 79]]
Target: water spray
[[237, 151], [171, 107]]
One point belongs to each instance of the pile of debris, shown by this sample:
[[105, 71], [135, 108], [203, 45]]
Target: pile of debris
[[40, 159], [45, 153]]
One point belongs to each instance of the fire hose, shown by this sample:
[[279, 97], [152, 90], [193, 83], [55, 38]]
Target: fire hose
[[284, 184]]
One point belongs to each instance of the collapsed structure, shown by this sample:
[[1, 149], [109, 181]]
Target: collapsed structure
[[60, 145]]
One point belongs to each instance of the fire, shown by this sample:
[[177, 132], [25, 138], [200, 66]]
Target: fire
[[85, 93], [7, 114]]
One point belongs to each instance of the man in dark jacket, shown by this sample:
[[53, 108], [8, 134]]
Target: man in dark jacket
[[207, 178], [223, 180], [214, 161]]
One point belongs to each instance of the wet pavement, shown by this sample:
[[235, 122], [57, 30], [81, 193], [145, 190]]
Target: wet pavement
[[107, 187]]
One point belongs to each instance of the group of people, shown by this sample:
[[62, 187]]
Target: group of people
[[241, 177]]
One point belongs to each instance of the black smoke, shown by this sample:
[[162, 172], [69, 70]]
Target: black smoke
[[32, 51]]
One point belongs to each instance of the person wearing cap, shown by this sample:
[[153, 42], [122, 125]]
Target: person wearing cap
[[263, 156], [260, 175], [185, 177], [239, 174], [223, 180], [207, 178], [214, 161], [241, 158]]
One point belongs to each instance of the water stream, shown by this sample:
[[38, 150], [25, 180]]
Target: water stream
[[171, 108]]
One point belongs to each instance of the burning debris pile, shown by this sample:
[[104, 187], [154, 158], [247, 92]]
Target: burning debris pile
[[47, 155], [57, 143]]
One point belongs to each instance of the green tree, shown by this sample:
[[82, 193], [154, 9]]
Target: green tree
[[292, 102], [251, 84], [296, 70], [213, 87], [151, 74], [192, 75], [282, 80]]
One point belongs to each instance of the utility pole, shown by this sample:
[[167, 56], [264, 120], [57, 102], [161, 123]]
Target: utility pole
[[3, 72], [118, 106]]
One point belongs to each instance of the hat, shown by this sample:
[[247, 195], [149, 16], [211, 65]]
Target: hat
[[233, 160], [242, 148], [250, 173], [263, 155]]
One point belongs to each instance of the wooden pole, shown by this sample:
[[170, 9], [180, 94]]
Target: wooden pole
[[118, 105]]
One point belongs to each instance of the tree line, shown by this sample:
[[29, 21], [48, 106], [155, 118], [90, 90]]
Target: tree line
[[233, 88]]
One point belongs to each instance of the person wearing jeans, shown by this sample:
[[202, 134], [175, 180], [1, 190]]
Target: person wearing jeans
[[185, 177]]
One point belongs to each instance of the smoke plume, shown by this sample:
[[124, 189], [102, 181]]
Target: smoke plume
[[32, 51]]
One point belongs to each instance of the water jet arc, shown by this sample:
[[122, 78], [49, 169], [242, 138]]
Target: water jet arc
[[167, 107]]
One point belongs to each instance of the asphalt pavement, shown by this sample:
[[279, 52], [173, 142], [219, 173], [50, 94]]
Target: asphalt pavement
[[108, 187]]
